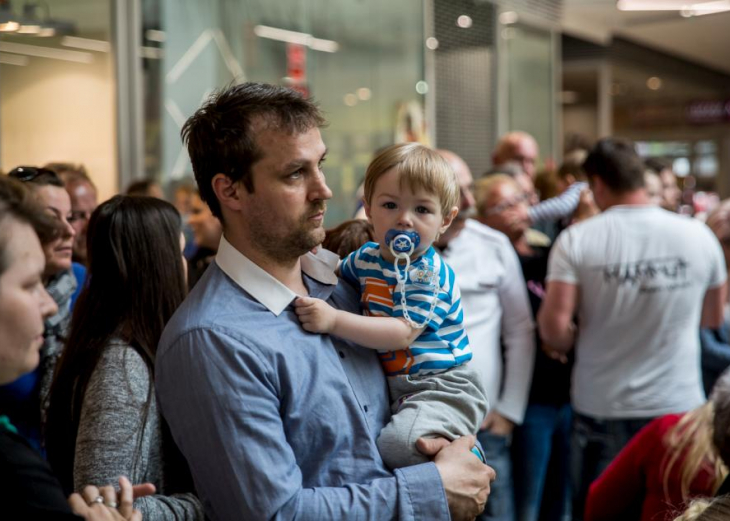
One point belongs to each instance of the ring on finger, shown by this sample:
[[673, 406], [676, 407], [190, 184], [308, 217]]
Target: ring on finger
[[111, 504], [97, 499]]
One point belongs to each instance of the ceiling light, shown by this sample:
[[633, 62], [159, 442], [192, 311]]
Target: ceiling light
[[284, 35], [683, 6], [350, 100], [46, 52], [86, 43], [9, 27], [364, 93], [654, 83], [422, 87], [508, 18], [464, 21], [29, 29], [432, 43]]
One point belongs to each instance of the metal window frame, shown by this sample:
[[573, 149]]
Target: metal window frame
[[126, 37]]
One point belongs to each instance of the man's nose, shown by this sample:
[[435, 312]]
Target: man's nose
[[318, 189]]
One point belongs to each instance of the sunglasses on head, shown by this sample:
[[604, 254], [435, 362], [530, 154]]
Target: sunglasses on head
[[29, 173]]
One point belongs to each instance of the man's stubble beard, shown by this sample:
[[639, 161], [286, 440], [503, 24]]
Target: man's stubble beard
[[291, 245]]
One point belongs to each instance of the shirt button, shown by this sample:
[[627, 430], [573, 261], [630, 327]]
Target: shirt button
[[365, 407], [342, 355]]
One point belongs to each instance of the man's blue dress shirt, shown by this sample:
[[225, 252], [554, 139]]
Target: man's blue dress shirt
[[275, 422]]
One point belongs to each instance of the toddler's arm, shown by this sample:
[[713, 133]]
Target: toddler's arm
[[389, 333]]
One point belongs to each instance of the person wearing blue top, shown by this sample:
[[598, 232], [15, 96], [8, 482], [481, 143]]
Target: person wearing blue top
[[275, 422], [412, 306]]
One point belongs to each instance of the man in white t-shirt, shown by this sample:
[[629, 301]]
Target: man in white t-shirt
[[641, 280], [496, 307]]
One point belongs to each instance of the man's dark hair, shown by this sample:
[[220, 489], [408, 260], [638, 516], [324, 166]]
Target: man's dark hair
[[617, 164], [220, 137], [17, 202], [141, 187], [657, 164]]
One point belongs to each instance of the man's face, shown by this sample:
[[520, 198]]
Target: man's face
[[466, 198], [506, 210], [283, 216], [525, 152], [83, 204], [671, 194]]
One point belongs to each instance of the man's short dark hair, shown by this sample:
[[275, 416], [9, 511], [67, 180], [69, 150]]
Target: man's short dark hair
[[220, 138], [657, 164], [617, 164]]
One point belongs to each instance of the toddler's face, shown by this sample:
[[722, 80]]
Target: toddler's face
[[396, 206]]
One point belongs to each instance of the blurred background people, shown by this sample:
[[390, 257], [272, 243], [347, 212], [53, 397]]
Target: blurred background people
[[519, 147], [206, 230], [670, 191], [348, 237], [103, 419], [147, 187], [28, 489], [641, 295], [669, 462], [84, 200], [500, 328], [715, 342], [25, 400], [541, 444]]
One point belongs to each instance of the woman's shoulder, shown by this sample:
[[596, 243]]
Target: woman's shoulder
[[121, 368]]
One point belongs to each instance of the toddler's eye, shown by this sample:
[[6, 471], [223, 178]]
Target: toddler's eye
[[389, 205], [423, 209]]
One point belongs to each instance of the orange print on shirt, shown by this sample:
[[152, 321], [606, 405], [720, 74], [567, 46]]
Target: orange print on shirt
[[378, 292], [397, 362]]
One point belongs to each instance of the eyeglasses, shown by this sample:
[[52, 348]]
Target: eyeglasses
[[27, 174], [506, 205]]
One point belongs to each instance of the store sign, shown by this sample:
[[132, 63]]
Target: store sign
[[708, 112], [296, 67]]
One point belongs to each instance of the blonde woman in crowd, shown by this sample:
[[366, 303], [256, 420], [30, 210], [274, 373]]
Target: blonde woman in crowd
[[670, 461]]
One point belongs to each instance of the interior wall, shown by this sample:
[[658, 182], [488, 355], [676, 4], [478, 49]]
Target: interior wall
[[52, 110]]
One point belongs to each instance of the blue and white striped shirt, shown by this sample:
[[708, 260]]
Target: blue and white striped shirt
[[443, 343]]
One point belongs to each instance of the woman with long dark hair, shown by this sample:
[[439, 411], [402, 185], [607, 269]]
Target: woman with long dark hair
[[103, 419]]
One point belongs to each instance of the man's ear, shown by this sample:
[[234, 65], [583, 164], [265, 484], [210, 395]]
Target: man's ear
[[448, 219], [227, 192]]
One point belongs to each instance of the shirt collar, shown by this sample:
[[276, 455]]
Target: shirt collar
[[267, 290]]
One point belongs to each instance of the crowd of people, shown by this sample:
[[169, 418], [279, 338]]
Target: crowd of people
[[463, 348]]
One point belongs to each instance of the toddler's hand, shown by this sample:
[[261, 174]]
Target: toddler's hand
[[315, 314]]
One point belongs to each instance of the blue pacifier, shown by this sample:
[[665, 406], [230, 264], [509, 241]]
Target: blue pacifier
[[402, 242]]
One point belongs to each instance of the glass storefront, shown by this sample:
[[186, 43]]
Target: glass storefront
[[57, 88], [362, 61]]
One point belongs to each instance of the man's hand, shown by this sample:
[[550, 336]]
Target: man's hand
[[465, 478], [497, 424], [315, 314]]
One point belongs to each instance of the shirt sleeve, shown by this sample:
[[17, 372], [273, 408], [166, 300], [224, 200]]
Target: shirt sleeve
[[109, 433], [621, 485], [518, 337], [348, 270], [558, 207], [226, 419], [561, 266]]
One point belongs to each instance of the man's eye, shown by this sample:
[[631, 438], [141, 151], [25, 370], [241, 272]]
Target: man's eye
[[389, 205], [296, 175]]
